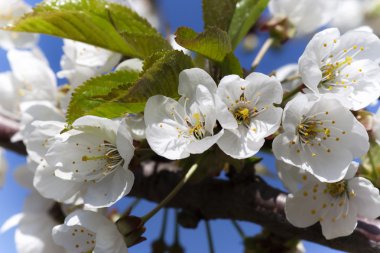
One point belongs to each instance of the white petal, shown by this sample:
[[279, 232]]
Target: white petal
[[291, 176], [312, 202], [266, 89], [111, 189], [124, 144], [52, 187], [366, 197], [200, 146], [266, 123], [34, 235], [339, 221], [36, 81], [163, 127], [288, 153], [11, 222], [206, 105], [236, 144], [189, 79]]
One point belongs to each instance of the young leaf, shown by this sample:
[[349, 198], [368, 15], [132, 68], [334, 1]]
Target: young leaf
[[246, 14], [95, 22], [160, 76], [87, 98], [213, 43], [218, 13]]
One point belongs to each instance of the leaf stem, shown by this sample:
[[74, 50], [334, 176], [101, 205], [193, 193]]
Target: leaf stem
[[238, 229], [171, 195], [260, 55], [209, 237]]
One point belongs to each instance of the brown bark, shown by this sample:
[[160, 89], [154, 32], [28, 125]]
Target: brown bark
[[244, 197]]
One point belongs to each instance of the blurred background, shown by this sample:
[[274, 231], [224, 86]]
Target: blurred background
[[226, 239]]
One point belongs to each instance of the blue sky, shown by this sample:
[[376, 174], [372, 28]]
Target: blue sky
[[176, 13]]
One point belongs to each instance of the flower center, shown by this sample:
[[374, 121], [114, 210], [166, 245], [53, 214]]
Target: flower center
[[242, 115], [329, 71], [337, 189], [309, 130], [333, 67], [111, 157], [197, 129]]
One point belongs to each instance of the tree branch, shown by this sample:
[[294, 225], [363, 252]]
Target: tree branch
[[247, 199], [8, 128]]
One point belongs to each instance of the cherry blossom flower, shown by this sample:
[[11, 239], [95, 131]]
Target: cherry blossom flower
[[349, 15], [34, 226], [335, 205], [305, 15], [32, 111], [90, 161], [345, 66], [176, 129], [86, 231], [320, 136], [31, 79], [82, 61], [251, 112], [10, 11]]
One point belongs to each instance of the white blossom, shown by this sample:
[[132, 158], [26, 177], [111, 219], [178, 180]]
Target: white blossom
[[90, 161], [3, 166], [82, 61], [11, 11], [32, 111], [34, 226], [305, 15], [251, 112], [335, 205], [349, 15], [320, 136], [176, 129], [86, 231], [344, 66], [31, 79]]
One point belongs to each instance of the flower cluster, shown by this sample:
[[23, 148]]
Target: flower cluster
[[306, 114]]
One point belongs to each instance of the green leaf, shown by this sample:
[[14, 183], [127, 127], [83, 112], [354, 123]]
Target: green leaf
[[231, 65], [87, 99], [213, 43], [246, 14], [160, 76], [95, 22], [218, 13]]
